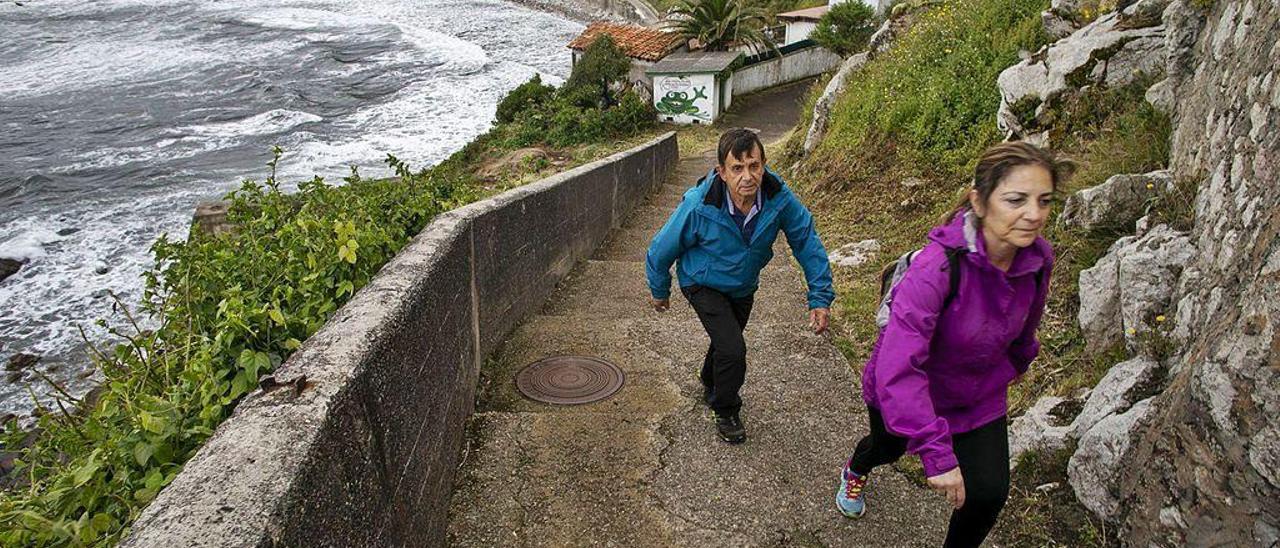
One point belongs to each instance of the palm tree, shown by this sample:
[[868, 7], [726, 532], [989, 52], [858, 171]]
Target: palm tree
[[719, 24]]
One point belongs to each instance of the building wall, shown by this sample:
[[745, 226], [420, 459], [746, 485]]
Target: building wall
[[686, 98], [638, 78], [794, 66], [799, 30]]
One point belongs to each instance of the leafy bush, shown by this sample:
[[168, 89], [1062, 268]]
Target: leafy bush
[[846, 28], [602, 65], [581, 111], [527, 95], [231, 308]]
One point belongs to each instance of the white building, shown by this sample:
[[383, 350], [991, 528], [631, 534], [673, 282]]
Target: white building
[[800, 23], [693, 87]]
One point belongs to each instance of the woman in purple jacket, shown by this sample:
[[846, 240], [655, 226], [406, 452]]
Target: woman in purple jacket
[[936, 382]]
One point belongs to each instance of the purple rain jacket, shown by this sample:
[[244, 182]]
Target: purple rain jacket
[[933, 374]]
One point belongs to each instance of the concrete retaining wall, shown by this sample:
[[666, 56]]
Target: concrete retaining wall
[[793, 66], [359, 445]]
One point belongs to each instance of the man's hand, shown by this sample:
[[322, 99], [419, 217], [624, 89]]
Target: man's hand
[[952, 484], [661, 305], [819, 318]]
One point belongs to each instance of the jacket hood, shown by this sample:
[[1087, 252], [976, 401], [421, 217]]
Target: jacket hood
[[963, 232]]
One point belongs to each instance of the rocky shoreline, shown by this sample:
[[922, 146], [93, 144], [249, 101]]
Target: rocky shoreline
[[623, 11]]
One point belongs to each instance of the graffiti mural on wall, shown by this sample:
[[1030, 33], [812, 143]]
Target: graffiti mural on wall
[[679, 97]]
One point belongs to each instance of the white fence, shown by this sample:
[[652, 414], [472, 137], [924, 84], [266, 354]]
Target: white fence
[[793, 66]]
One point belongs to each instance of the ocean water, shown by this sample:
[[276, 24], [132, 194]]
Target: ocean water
[[118, 116]]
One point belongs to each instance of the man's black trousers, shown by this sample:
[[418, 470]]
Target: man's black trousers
[[984, 462], [725, 365]]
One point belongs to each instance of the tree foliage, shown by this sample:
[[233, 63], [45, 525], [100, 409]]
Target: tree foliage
[[718, 25], [603, 64], [846, 28]]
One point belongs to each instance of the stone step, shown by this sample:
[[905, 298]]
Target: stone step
[[650, 217], [597, 290], [625, 244], [548, 479], [644, 467]]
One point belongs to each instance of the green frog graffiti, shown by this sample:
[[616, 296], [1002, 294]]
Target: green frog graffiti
[[678, 102]]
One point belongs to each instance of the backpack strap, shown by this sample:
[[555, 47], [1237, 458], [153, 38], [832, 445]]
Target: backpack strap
[[953, 266], [886, 278]]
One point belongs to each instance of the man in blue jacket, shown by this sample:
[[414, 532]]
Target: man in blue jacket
[[722, 235]]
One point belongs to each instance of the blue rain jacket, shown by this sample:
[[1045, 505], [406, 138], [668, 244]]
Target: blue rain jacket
[[711, 251]]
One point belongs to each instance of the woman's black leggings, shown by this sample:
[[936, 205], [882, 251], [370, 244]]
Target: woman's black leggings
[[984, 462]]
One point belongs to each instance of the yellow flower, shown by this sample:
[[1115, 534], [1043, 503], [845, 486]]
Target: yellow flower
[[1131, 331], [1150, 186], [1160, 318]]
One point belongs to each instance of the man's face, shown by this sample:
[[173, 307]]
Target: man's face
[[743, 174]]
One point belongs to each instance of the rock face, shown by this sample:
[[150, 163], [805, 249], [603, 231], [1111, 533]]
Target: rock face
[[1105, 451], [1203, 465], [855, 254], [1117, 202], [1124, 292], [1116, 392], [1111, 51], [1037, 429], [1060, 19]]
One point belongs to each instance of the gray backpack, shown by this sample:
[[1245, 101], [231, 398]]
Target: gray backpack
[[893, 273]]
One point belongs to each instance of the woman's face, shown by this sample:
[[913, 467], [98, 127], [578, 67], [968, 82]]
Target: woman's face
[[1018, 208]]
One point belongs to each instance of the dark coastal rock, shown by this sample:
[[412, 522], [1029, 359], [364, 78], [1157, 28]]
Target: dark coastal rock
[[9, 267], [20, 362]]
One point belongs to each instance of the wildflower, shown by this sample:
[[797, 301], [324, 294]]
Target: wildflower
[[1160, 318], [1131, 332], [1150, 186]]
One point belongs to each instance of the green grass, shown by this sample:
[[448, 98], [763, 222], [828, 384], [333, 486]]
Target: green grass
[[1042, 509], [929, 103]]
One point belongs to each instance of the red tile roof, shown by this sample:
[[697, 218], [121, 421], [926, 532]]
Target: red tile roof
[[635, 41], [808, 14]]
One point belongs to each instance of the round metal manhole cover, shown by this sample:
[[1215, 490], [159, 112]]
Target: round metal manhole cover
[[569, 380]]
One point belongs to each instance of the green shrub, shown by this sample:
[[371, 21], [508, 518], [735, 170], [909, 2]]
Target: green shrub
[[846, 28], [525, 96], [582, 111]]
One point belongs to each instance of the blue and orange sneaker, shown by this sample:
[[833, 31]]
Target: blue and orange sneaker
[[849, 499]]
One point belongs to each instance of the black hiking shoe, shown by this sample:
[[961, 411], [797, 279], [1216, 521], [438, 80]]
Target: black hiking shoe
[[707, 393], [730, 428]]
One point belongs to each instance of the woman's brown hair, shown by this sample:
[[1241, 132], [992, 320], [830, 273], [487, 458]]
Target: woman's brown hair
[[998, 160]]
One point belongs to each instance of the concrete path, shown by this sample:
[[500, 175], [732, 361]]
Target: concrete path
[[644, 467]]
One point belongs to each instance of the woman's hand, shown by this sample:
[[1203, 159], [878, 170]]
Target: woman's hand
[[952, 484]]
